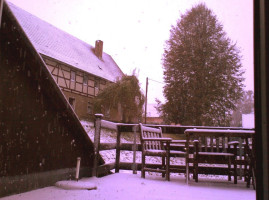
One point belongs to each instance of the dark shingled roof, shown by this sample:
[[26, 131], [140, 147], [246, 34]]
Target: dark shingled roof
[[55, 43]]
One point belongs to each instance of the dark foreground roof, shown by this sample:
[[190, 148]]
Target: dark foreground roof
[[40, 135], [55, 43]]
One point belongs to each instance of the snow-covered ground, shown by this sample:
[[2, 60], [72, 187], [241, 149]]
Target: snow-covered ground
[[125, 185]]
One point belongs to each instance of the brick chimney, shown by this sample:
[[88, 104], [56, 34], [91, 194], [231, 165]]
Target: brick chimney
[[98, 48]]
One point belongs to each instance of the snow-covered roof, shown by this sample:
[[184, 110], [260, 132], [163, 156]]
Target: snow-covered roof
[[152, 111], [248, 120], [55, 43]]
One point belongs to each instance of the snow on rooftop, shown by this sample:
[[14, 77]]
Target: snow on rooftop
[[55, 43]]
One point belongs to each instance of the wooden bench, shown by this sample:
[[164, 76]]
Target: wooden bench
[[152, 143], [219, 157], [213, 146]]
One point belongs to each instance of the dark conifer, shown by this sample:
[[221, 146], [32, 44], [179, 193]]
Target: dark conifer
[[202, 71]]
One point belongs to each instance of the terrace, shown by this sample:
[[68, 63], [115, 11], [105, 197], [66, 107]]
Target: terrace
[[119, 146], [133, 187], [116, 174], [262, 140]]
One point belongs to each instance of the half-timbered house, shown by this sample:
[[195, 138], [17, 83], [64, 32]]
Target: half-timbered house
[[80, 70]]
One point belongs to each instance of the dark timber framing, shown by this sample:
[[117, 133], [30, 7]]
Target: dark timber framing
[[61, 73]]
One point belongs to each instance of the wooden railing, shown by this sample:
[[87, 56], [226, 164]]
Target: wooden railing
[[122, 128]]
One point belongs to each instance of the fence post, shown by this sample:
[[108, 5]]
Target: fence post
[[187, 157], [117, 166], [135, 129], [240, 157], [98, 118]]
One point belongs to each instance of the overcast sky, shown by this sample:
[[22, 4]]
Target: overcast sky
[[134, 32]]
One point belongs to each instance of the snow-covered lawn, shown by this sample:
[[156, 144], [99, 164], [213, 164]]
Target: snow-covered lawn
[[133, 187]]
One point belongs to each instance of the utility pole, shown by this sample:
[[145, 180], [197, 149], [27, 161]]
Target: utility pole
[[146, 100]]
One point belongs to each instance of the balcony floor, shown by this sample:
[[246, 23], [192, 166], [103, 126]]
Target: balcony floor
[[133, 187]]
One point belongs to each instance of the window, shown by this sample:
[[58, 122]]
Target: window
[[107, 112], [96, 84], [72, 102], [73, 76], [96, 87], [85, 80], [90, 108]]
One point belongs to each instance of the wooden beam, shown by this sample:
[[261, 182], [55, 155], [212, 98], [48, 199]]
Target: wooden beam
[[98, 118], [1, 11], [134, 149], [118, 148]]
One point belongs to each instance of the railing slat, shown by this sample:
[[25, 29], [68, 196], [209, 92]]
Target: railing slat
[[217, 144], [211, 143]]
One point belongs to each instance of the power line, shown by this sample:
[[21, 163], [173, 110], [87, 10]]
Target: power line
[[156, 81]]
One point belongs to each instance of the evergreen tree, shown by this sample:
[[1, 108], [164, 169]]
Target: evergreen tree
[[124, 96], [202, 71]]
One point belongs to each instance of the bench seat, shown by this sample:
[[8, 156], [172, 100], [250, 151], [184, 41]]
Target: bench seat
[[215, 154], [177, 153], [155, 152]]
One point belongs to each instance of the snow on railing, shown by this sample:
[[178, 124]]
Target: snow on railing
[[108, 125]]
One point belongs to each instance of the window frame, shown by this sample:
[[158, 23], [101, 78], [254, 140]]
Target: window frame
[[72, 102], [89, 105], [261, 97], [85, 79], [73, 76]]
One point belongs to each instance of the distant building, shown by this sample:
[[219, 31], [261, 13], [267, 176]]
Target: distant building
[[248, 120], [153, 115], [155, 120], [80, 70]]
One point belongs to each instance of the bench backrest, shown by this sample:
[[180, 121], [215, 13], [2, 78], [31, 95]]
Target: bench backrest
[[213, 143], [148, 132], [217, 140]]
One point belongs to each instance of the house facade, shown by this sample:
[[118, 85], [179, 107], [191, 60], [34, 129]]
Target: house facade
[[80, 70], [78, 86]]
